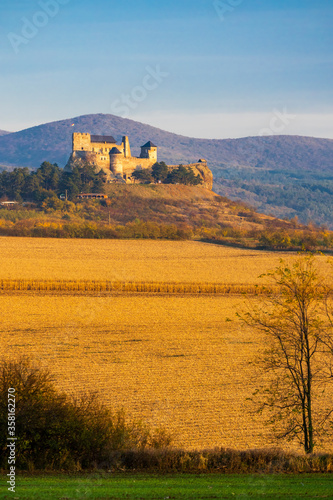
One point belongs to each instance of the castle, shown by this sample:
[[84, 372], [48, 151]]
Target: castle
[[117, 162]]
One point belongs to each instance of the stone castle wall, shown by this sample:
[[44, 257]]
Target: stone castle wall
[[100, 154], [118, 163], [83, 142]]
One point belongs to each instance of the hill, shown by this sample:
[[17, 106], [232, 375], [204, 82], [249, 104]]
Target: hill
[[4, 132], [281, 175], [158, 211], [181, 205]]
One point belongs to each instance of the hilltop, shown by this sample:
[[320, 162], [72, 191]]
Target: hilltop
[[285, 176], [181, 205], [4, 132]]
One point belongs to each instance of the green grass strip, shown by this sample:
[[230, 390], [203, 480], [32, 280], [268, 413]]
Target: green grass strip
[[103, 486]]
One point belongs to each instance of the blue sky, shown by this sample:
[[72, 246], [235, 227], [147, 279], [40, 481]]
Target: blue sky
[[201, 68]]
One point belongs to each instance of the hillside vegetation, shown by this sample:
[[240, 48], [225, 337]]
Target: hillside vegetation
[[158, 212], [284, 193], [155, 211], [281, 175]]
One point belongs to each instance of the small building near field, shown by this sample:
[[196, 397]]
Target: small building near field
[[92, 196]]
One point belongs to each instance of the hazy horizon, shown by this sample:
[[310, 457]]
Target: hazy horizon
[[173, 129]]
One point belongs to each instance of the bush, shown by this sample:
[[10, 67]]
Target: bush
[[56, 432], [219, 460], [67, 229], [183, 175]]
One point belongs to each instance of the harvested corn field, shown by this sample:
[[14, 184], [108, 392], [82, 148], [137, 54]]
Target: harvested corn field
[[177, 360], [130, 260], [131, 287]]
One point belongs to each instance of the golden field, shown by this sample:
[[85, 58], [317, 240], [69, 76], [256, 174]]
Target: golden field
[[130, 260], [175, 362], [180, 362]]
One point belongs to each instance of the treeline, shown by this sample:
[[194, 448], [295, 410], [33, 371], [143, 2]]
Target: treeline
[[36, 224], [219, 460], [307, 240], [91, 230], [49, 181], [273, 239], [270, 239], [162, 174]]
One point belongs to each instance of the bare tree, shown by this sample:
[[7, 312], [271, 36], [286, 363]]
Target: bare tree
[[297, 361]]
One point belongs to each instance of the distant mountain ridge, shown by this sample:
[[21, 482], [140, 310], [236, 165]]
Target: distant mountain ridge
[[4, 132], [282, 175], [53, 142]]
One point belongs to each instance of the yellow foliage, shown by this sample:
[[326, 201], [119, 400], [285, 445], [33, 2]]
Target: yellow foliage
[[6, 223]]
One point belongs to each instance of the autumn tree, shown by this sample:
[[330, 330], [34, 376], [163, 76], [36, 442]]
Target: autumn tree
[[160, 172], [144, 176], [297, 361], [183, 175]]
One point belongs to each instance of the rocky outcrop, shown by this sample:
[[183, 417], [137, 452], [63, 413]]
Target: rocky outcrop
[[201, 169], [76, 161], [207, 175]]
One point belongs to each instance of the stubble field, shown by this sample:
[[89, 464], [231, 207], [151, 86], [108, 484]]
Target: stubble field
[[130, 260], [180, 362]]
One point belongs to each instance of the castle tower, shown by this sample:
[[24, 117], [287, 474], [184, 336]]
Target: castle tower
[[81, 142], [126, 146], [149, 150], [116, 164]]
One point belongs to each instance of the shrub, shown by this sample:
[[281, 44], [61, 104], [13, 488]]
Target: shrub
[[55, 431], [219, 460]]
